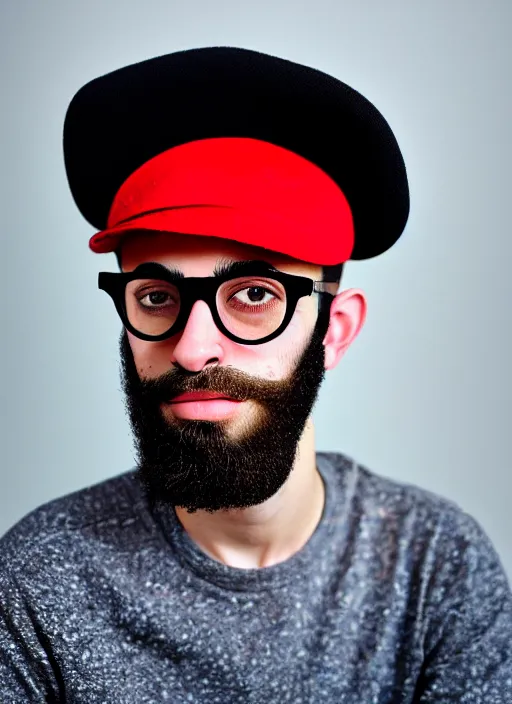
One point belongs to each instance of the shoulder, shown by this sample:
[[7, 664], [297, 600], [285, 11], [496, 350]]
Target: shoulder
[[437, 555], [433, 529], [373, 488], [380, 492], [56, 530]]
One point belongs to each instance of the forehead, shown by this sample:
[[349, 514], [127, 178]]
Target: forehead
[[197, 255]]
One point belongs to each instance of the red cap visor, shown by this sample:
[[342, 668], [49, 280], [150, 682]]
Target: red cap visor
[[240, 189]]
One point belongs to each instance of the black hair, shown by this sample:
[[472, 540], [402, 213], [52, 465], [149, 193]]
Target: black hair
[[332, 272], [117, 252]]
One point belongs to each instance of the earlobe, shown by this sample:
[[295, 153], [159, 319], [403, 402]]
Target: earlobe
[[347, 316]]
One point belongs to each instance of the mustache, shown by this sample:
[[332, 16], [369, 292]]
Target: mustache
[[223, 380]]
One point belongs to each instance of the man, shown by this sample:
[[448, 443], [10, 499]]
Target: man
[[236, 564]]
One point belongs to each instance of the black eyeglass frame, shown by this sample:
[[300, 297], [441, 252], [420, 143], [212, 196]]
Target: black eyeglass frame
[[204, 288]]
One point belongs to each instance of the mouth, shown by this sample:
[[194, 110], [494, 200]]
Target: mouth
[[204, 405], [200, 396]]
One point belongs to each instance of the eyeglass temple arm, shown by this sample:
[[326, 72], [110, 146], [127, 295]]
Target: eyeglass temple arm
[[326, 287]]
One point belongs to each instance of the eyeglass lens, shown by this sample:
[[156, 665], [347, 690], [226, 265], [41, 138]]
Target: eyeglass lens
[[250, 307]]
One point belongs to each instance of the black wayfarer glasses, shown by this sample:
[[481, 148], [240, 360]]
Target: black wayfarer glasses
[[251, 302]]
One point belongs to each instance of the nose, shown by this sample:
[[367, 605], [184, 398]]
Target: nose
[[200, 342]]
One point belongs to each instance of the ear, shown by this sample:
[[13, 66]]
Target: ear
[[347, 316]]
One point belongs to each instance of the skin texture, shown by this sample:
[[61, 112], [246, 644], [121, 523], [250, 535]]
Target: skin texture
[[246, 489]]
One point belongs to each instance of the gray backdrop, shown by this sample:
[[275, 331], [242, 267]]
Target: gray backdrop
[[423, 396]]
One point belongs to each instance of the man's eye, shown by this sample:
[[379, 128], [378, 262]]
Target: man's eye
[[156, 298], [254, 295]]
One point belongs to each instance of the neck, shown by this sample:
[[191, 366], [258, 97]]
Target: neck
[[263, 535]]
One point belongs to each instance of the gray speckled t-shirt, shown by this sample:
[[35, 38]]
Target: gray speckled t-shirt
[[398, 597]]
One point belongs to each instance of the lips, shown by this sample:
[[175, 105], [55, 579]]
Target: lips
[[204, 405], [199, 396]]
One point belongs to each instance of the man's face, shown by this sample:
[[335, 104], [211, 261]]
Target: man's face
[[188, 455]]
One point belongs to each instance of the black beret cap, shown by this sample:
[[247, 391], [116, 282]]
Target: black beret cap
[[117, 122]]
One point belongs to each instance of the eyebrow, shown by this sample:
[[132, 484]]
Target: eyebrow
[[230, 267], [223, 267]]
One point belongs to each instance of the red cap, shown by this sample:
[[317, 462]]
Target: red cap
[[240, 189]]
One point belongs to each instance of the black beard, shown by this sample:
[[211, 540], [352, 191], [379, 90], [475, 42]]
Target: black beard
[[193, 463]]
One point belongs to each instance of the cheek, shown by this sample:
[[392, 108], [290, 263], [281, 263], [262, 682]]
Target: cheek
[[151, 358], [277, 358]]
